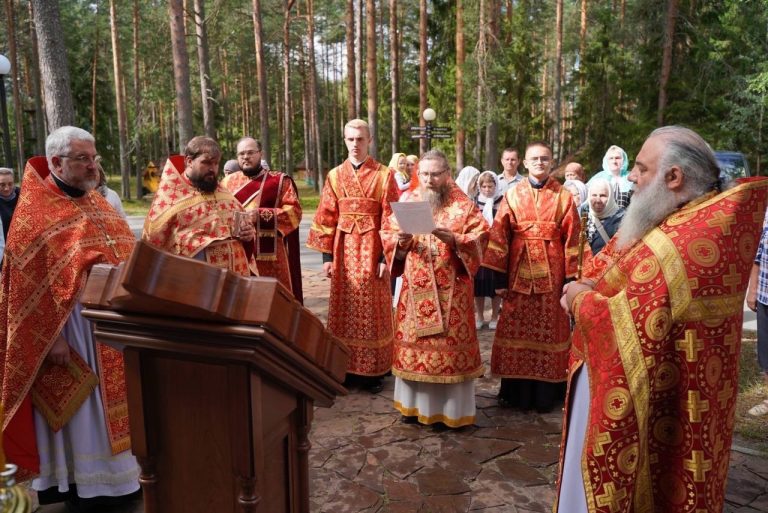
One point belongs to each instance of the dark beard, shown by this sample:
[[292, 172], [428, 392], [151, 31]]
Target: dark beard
[[250, 172], [203, 185]]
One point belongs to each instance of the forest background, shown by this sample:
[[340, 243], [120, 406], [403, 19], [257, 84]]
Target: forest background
[[146, 75]]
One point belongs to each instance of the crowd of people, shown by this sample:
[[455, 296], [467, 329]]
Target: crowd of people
[[626, 288]]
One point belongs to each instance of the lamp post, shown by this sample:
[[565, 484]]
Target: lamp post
[[5, 68], [429, 116]]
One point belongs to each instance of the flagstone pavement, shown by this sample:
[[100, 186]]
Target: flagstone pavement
[[364, 460]]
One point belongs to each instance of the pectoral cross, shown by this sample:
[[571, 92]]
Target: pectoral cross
[[110, 241]]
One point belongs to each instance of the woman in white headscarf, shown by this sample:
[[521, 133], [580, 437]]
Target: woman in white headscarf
[[578, 190], [615, 171], [467, 181], [605, 214], [486, 280]]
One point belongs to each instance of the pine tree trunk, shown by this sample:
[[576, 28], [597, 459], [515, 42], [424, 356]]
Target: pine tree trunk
[[557, 139], [288, 168], [460, 57], [666, 59], [261, 73], [314, 112], [137, 91], [36, 92], [422, 68], [480, 57], [582, 42], [358, 58], [181, 73], [122, 117], [394, 75], [305, 121], [371, 76], [206, 84], [59, 109], [94, 77], [15, 92], [491, 127], [351, 78]]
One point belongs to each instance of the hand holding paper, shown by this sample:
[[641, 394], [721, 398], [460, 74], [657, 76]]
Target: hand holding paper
[[414, 216]]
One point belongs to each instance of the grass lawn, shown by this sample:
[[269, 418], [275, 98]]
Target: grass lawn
[[752, 431]]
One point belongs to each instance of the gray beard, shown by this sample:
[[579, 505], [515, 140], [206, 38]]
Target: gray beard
[[437, 198], [646, 211]]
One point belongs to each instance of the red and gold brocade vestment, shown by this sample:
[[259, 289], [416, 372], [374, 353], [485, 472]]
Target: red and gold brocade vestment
[[660, 335], [436, 340], [347, 225], [273, 196], [184, 221], [534, 238], [55, 241]]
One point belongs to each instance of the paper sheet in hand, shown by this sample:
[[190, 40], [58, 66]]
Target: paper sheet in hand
[[414, 216]]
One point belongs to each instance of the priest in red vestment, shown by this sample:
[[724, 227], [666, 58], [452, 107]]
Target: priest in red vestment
[[534, 239], [271, 199], [654, 366], [66, 412], [437, 355], [355, 199], [192, 215]]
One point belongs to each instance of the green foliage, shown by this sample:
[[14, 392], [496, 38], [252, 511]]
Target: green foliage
[[610, 94]]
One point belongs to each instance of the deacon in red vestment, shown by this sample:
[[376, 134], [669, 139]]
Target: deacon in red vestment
[[271, 199], [534, 238], [437, 355], [355, 198], [654, 366], [192, 215], [66, 412]]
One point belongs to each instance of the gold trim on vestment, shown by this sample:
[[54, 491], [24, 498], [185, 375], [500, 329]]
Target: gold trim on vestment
[[530, 376], [325, 230], [454, 423], [443, 380], [532, 345], [711, 308], [187, 203], [673, 267], [633, 362]]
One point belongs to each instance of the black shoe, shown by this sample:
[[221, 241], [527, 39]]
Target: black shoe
[[439, 427], [409, 419], [375, 386]]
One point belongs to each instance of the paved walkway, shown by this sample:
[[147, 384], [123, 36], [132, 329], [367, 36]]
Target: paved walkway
[[364, 460]]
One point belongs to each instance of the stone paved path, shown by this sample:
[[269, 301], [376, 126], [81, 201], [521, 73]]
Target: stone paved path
[[364, 460]]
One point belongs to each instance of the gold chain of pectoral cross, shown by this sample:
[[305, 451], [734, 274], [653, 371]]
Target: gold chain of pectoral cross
[[110, 241]]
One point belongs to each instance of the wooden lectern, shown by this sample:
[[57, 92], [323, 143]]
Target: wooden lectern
[[222, 374]]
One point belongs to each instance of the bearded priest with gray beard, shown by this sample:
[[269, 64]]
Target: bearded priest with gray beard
[[653, 373], [436, 354]]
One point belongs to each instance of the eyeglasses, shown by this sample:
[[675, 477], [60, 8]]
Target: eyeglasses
[[427, 176], [83, 159], [249, 153], [543, 160]]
